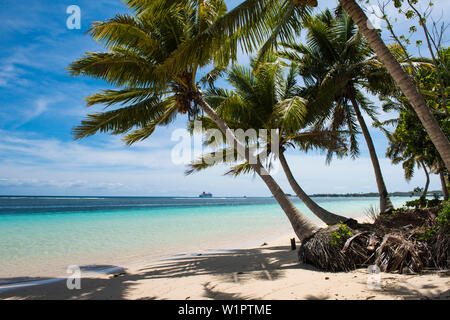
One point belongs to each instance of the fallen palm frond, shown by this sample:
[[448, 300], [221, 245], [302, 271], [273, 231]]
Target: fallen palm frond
[[398, 254], [320, 252], [441, 248], [406, 242]]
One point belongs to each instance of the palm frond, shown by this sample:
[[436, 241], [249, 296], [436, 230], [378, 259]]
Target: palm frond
[[129, 95], [125, 31], [211, 77], [240, 169], [227, 155], [146, 131], [122, 120], [291, 113], [116, 68]]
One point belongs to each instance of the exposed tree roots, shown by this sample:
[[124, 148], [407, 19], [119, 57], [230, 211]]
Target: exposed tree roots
[[405, 242]]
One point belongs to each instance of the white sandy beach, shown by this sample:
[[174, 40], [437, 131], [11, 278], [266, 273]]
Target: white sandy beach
[[269, 271]]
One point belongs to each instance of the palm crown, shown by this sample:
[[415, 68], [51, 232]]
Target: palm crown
[[263, 97], [138, 47], [156, 83], [336, 63], [254, 22]]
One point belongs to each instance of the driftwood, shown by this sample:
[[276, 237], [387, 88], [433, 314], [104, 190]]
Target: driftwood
[[293, 245]]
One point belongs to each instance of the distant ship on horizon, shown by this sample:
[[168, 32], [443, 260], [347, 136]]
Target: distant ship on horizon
[[205, 195]]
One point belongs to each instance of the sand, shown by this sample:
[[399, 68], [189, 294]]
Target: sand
[[271, 271]]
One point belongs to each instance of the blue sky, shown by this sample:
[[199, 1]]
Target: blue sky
[[40, 104]]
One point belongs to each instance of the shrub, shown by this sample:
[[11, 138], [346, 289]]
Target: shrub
[[433, 203], [418, 203], [422, 203], [341, 235], [442, 224], [426, 234], [443, 218]]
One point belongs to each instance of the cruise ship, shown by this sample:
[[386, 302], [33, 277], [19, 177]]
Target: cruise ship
[[205, 195]]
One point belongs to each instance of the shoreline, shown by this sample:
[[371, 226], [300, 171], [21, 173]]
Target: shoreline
[[20, 282], [269, 272], [260, 268], [99, 269]]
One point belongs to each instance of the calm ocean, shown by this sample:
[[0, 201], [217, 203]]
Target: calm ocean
[[41, 236]]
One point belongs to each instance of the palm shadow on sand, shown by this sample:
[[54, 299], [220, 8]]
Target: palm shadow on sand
[[239, 265]]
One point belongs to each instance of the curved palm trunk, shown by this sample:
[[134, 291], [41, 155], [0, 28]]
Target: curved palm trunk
[[385, 202], [303, 228], [444, 185], [324, 215], [401, 78], [427, 183]]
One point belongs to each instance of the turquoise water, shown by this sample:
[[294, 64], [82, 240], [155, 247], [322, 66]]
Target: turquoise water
[[42, 236]]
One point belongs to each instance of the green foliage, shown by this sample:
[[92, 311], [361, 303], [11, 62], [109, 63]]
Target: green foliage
[[422, 202], [264, 96], [418, 191], [427, 234], [139, 47], [443, 218], [442, 224], [249, 24], [409, 142], [336, 63], [418, 203], [433, 203], [341, 235], [398, 211]]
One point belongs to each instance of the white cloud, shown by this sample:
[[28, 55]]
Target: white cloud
[[59, 184], [79, 155], [53, 167], [40, 106], [10, 75]]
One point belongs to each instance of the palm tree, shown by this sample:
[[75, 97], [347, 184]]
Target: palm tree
[[263, 98], [152, 94], [338, 63], [398, 153], [444, 184], [401, 78], [268, 21], [409, 143]]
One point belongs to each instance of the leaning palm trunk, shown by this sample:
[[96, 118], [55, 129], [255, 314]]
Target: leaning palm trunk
[[324, 215], [303, 228], [427, 183], [385, 202], [444, 185], [401, 78]]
